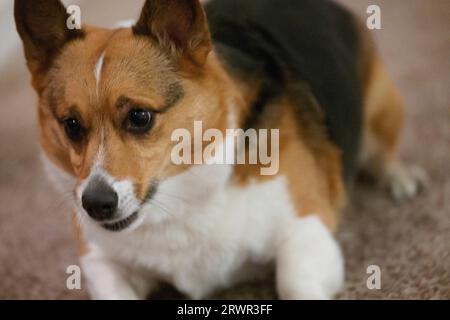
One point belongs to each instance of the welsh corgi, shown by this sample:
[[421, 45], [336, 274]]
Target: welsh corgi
[[110, 100]]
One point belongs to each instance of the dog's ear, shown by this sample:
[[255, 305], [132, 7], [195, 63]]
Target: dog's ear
[[42, 26], [178, 26]]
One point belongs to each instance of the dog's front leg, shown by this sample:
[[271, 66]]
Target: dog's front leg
[[107, 280], [309, 262]]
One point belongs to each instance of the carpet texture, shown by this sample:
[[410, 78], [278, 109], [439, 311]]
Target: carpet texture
[[410, 242]]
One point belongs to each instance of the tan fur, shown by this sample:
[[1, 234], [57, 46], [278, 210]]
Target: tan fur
[[383, 122], [313, 176], [383, 113]]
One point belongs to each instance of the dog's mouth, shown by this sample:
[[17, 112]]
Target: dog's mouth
[[121, 224]]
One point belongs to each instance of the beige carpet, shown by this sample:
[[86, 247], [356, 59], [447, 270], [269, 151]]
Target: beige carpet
[[410, 242]]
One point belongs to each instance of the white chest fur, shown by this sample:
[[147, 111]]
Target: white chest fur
[[201, 238]]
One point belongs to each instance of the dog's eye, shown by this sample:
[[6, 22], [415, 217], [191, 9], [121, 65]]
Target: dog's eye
[[74, 130], [139, 121]]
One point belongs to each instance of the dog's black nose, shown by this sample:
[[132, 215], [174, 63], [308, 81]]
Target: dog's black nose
[[99, 200]]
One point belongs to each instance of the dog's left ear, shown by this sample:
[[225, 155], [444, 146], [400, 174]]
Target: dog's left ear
[[178, 26]]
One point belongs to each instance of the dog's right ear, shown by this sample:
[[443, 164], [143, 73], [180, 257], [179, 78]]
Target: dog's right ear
[[178, 26], [42, 26]]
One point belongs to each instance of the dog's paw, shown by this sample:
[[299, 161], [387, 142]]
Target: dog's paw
[[405, 182], [309, 263]]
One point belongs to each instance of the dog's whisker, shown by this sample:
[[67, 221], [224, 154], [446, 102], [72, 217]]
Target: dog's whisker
[[160, 206], [173, 196]]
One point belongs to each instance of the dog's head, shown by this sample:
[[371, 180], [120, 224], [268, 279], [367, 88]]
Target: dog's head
[[109, 100]]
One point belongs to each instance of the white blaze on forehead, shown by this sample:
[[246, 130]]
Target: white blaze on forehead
[[98, 69]]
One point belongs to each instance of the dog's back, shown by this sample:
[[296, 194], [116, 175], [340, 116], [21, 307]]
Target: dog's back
[[291, 44]]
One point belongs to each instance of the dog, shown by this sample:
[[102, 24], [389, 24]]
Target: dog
[[110, 100]]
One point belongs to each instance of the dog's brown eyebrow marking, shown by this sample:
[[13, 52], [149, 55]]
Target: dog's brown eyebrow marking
[[174, 94], [54, 99], [72, 112]]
